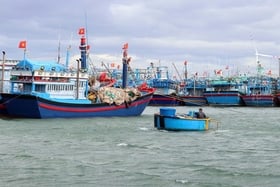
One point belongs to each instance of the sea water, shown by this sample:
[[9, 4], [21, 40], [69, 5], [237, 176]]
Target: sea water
[[243, 151]]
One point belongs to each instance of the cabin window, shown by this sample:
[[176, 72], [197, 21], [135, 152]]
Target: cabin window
[[40, 88], [27, 88]]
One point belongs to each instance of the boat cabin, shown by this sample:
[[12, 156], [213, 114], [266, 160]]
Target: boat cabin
[[48, 79]]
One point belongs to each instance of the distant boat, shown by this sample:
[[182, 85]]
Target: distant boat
[[277, 99], [167, 119], [5, 69], [165, 88], [191, 92], [224, 92], [49, 90], [259, 92], [193, 100], [166, 100], [259, 100]]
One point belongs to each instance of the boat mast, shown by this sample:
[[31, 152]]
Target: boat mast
[[3, 71], [125, 61], [177, 71], [186, 70], [58, 50], [278, 66], [270, 56], [83, 48], [194, 79], [68, 52], [78, 75], [83, 60], [106, 67]]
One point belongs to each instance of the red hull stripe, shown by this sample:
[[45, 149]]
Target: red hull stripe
[[2, 106], [163, 99], [219, 95], [94, 109]]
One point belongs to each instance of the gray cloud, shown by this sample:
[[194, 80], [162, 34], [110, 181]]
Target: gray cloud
[[207, 34]]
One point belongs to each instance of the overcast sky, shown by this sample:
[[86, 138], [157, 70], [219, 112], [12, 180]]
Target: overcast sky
[[208, 34]]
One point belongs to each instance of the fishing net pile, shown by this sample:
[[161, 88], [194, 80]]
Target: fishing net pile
[[112, 95]]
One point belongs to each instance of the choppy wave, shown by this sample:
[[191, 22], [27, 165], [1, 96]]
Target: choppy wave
[[243, 151]]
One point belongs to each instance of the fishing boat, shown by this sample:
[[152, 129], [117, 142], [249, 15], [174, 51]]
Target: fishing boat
[[260, 92], [5, 68], [225, 92], [169, 92], [189, 100], [277, 99], [167, 119], [277, 92], [166, 88], [262, 100], [50, 90], [191, 89], [166, 100], [191, 92]]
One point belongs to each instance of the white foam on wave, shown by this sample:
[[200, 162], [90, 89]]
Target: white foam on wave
[[122, 144], [220, 130], [144, 128], [182, 181]]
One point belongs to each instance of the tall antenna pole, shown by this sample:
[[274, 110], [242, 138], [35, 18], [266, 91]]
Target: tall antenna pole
[[68, 52], [87, 51], [125, 61], [186, 69], [78, 78], [3, 71], [278, 66], [58, 51]]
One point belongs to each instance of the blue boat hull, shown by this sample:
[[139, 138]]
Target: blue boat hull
[[3, 110], [29, 106], [259, 100], [175, 123], [277, 100], [224, 98], [172, 100], [194, 100], [165, 100]]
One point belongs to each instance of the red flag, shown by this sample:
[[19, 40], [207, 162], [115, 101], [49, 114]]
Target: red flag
[[125, 46], [219, 72], [269, 72], [205, 73], [81, 31], [22, 44]]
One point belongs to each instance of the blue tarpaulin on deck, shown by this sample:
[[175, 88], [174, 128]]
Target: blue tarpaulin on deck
[[40, 65]]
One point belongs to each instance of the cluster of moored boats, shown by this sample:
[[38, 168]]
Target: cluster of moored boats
[[258, 90], [261, 91], [44, 89], [48, 89]]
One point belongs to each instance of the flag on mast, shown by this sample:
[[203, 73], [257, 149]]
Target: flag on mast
[[125, 46], [82, 31], [22, 44]]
